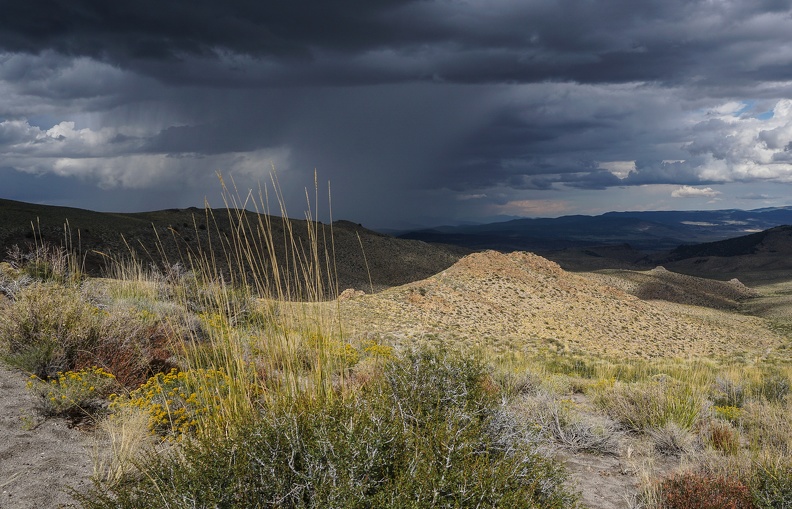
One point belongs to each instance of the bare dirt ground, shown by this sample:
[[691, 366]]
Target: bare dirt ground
[[39, 458]]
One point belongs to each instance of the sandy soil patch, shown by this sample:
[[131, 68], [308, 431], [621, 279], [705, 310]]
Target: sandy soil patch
[[39, 458]]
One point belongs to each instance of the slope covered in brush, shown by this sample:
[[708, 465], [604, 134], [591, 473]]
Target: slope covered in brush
[[521, 301], [357, 257]]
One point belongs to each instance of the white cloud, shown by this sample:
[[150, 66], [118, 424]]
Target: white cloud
[[620, 169], [742, 147], [694, 192]]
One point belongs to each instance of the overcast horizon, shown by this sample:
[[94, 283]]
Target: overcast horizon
[[416, 112]]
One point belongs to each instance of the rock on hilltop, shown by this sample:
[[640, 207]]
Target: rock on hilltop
[[521, 301]]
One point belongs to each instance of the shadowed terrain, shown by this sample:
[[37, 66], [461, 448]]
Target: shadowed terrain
[[171, 236]]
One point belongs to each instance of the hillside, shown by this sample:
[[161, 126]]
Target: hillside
[[170, 235], [757, 258], [662, 284], [523, 302]]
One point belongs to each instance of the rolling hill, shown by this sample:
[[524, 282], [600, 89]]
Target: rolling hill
[[523, 302], [364, 259]]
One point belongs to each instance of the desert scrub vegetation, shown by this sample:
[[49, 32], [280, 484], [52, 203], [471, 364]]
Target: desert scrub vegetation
[[691, 490], [418, 434], [50, 328], [80, 392]]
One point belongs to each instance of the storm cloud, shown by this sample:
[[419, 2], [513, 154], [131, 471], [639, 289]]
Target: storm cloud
[[415, 111]]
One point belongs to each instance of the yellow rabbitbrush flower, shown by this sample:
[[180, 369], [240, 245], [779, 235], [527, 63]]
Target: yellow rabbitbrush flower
[[73, 390], [378, 350], [176, 400], [728, 413]]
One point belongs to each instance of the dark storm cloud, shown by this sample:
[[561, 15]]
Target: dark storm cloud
[[410, 108], [353, 41]]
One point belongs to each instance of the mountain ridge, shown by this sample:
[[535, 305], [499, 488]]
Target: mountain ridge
[[364, 259], [651, 231]]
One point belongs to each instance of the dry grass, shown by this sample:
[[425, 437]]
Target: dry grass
[[121, 443]]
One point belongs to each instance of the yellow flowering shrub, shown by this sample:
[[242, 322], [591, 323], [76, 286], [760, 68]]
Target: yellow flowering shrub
[[341, 351], [73, 390], [728, 413], [601, 385], [214, 322], [176, 400], [373, 349]]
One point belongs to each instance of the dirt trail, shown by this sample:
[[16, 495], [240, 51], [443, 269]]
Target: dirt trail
[[39, 458]]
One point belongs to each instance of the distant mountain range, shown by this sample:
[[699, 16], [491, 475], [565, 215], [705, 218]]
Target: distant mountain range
[[643, 231], [750, 245]]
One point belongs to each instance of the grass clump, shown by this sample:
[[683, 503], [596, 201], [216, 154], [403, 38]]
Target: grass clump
[[46, 262], [641, 406], [417, 435]]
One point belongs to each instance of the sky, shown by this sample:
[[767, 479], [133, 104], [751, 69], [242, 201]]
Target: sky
[[407, 112]]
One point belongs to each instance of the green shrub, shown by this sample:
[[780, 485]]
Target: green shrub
[[703, 491], [418, 436], [772, 484], [46, 326]]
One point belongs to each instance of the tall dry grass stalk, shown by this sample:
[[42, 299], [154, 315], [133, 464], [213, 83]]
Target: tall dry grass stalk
[[266, 305]]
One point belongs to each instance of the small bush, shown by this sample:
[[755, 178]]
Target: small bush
[[702, 491], [728, 413], [772, 484], [728, 392], [174, 401], [46, 326], [560, 422], [80, 392], [723, 437]]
